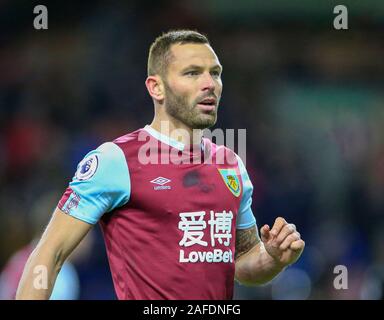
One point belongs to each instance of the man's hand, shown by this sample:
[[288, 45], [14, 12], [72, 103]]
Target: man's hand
[[283, 242]]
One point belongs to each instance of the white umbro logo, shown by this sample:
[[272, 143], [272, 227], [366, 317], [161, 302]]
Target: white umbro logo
[[161, 181]]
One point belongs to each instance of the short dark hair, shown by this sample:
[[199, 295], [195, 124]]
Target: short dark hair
[[159, 52]]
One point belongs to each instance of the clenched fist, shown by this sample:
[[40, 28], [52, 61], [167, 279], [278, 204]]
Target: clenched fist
[[282, 242]]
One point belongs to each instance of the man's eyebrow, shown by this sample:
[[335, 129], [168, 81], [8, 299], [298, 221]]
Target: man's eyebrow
[[217, 66], [195, 66]]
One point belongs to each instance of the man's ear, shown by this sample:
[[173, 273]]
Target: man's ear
[[155, 87]]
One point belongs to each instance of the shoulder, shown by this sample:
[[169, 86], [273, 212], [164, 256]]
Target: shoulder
[[100, 162], [224, 155], [131, 142], [130, 137]]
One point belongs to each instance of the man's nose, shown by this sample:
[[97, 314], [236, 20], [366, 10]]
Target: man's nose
[[208, 83]]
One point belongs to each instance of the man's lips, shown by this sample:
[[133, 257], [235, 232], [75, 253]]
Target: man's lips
[[207, 107], [207, 104]]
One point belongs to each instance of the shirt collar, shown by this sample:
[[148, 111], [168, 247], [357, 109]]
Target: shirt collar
[[164, 139], [168, 140]]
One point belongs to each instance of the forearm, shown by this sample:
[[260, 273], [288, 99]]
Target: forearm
[[60, 238], [257, 267], [39, 275]]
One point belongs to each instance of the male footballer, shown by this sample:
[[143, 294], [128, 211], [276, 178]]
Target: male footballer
[[173, 229]]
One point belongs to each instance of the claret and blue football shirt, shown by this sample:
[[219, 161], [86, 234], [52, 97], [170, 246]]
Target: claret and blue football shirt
[[169, 226]]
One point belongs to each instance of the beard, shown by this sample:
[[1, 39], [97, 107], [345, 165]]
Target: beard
[[189, 114]]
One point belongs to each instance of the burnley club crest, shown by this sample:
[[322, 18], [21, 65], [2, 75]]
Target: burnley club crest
[[231, 180]]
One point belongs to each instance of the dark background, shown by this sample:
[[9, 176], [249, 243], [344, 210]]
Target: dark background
[[311, 98]]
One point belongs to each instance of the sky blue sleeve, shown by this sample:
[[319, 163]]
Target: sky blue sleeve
[[245, 218], [101, 184]]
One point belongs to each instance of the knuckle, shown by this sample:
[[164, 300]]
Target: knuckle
[[288, 229], [275, 244], [294, 237], [280, 220]]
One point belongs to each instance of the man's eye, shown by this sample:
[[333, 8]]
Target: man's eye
[[191, 73], [215, 73]]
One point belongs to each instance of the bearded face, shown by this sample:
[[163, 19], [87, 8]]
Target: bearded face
[[192, 86], [189, 111]]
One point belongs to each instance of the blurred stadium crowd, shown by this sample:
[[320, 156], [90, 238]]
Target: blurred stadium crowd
[[310, 97]]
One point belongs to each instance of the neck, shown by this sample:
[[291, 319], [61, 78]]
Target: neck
[[175, 129]]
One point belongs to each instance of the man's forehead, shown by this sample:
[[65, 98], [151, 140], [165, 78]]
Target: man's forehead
[[192, 53]]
